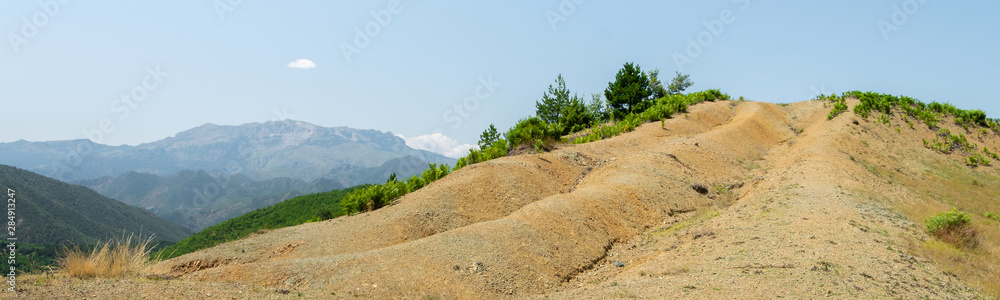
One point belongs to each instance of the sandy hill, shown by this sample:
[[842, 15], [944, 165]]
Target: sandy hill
[[731, 200]]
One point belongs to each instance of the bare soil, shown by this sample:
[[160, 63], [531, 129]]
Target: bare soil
[[731, 200]]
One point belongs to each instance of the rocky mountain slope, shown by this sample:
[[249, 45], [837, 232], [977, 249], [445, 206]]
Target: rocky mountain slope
[[731, 200]]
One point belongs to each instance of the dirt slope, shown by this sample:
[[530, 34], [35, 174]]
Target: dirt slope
[[733, 199]]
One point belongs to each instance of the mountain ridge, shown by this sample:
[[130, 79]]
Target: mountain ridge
[[261, 151]]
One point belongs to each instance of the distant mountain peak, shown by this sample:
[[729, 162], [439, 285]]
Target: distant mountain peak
[[265, 150]]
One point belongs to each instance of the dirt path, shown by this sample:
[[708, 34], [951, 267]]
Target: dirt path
[[731, 200]]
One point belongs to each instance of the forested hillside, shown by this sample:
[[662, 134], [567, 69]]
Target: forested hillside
[[49, 211]]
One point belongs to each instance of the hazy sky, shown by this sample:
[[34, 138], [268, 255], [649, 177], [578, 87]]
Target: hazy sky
[[145, 70]]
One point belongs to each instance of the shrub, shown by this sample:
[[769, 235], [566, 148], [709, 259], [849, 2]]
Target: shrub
[[952, 226], [986, 150], [531, 130], [838, 108], [976, 160], [115, 258], [993, 216], [496, 150], [706, 95]]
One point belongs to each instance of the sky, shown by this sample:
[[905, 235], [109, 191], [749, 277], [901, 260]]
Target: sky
[[440, 72]]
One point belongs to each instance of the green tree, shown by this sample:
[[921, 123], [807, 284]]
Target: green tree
[[655, 85], [575, 116], [680, 83], [596, 108], [488, 137], [553, 101], [629, 92]]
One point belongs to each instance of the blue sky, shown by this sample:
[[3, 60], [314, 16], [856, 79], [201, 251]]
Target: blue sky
[[64, 65]]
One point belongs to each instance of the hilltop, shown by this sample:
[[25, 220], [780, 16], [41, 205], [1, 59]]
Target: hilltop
[[731, 199]]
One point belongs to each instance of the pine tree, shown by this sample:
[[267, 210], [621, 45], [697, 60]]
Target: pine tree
[[550, 108], [629, 92], [488, 137], [655, 85], [680, 83]]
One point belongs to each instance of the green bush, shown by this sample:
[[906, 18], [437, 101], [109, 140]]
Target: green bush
[[993, 216], [976, 160], [495, 150], [839, 106], [949, 220], [531, 131], [995, 156], [952, 226]]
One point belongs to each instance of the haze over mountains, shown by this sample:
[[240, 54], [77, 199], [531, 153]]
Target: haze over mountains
[[210, 173]]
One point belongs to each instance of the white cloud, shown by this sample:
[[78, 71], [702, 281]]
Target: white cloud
[[302, 64], [438, 143]]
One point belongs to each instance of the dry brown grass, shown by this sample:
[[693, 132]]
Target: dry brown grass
[[115, 258]]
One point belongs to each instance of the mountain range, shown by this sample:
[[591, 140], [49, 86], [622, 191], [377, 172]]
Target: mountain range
[[211, 173], [259, 151]]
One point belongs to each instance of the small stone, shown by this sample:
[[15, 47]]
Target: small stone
[[619, 264]]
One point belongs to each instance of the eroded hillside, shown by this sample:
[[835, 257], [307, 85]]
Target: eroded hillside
[[732, 199]]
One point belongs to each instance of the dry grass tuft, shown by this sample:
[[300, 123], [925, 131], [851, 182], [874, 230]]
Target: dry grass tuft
[[115, 258]]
